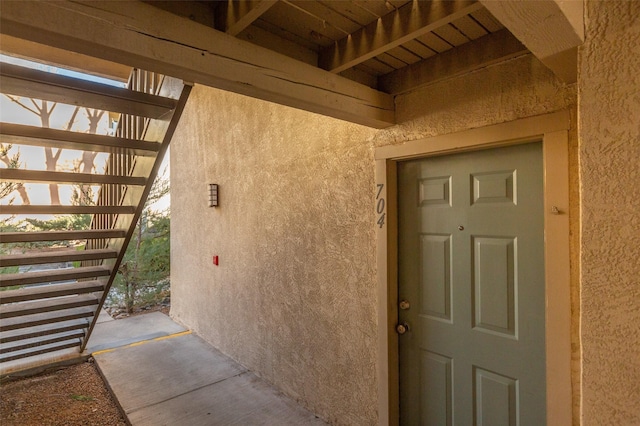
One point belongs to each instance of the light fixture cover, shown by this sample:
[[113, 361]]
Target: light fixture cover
[[213, 195]]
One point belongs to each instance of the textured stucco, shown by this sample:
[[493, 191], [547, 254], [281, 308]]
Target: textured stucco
[[519, 88], [609, 132], [294, 297]]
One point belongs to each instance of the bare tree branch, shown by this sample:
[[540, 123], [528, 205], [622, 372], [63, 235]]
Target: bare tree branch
[[17, 101], [12, 163], [72, 120], [94, 117], [38, 107]]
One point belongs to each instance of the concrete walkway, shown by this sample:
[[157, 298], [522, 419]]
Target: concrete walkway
[[162, 374]]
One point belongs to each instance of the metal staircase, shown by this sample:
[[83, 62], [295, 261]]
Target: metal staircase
[[47, 311]]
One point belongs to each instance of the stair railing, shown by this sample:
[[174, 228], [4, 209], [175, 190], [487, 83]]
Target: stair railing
[[121, 162], [159, 130]]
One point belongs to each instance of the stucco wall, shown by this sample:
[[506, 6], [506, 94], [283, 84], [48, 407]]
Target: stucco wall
[[609, 129], [294, 296], [518, 88]]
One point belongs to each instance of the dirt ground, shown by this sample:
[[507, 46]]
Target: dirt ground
[[69, 396]]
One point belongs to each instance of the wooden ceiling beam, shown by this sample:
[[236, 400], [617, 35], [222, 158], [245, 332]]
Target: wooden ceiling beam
[[146, 37], [408, 22], [241, 14], [485, 51], [551, 29], [263, 38]]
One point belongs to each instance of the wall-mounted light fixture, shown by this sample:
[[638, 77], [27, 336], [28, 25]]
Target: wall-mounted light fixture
[[213, 195]]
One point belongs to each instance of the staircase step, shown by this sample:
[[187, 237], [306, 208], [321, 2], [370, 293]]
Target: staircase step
[[43, 330], [46, 318], [31, 83], [53, 275], [23, 175], [32, 237], [37, 258], [41, 341], [21, 309], [31, 209], [50, 291], [40, 136], [65, 344]]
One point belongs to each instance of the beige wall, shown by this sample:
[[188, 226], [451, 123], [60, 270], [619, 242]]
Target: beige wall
[[609, 130], [294, 296], [519, 88]]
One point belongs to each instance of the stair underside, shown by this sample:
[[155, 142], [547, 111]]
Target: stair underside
[[44, 330], [33, 320], [61, 303], [34, 350], [40, 341], [52, 303], [55, 257], [37, 136], [34, 237], [31, 83], [55, 210], [20, 175], [40, 292]]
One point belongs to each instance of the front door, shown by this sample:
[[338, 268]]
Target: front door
[[471, 288]]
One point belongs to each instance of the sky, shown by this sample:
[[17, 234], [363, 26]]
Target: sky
[[33, 157]]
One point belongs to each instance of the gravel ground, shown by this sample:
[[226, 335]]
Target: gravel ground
[[70, 396]]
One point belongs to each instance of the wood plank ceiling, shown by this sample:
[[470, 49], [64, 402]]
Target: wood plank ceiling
[[345, 59], [384, 44]]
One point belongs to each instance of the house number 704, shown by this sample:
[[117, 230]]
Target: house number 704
[[380, 205]]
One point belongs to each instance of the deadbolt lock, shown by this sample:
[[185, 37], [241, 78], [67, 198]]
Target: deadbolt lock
[[404, 305], [402, 328]]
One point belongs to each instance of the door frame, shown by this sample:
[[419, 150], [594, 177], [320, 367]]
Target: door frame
[[553, 131]]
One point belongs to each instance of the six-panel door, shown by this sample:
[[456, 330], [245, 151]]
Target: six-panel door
[[471, 271]]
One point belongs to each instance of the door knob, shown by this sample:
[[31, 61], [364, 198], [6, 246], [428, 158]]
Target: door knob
[[402, 328], [404, 305]]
